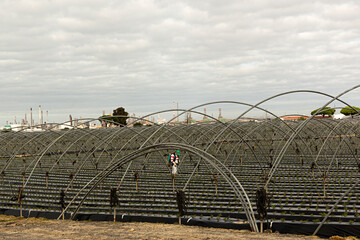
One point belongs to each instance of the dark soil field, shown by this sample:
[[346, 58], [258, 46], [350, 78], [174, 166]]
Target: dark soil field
[[31, 229]]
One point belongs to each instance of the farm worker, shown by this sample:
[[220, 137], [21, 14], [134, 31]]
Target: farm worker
[[169, 159], [177, 159], [174, 161]]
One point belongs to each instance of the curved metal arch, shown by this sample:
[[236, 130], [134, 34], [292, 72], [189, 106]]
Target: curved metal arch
[[327, 126], [43, 153], [109, 139], [241, 137], [283, 150], [31, 140], [81, 148], [92, 136], [217, 102], [252, 106], [233, 181], [36, 161], [334, 206], [171, 130], [199, 114], [333, 130], [205, 104], [343, 140], [322, 122], [255, 129], [311, 129], [208, 129], [270, 98]]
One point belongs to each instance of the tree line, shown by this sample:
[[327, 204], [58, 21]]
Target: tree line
[[328, 111]]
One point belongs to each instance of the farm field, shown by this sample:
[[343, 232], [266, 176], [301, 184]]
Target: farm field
[[310, 173]]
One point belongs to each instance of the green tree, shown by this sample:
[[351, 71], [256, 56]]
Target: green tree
[[137, 124], [120, 111], [118, 117], [325, 111], [347, 111]]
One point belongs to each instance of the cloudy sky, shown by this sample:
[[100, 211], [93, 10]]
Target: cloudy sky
[[81, 57]]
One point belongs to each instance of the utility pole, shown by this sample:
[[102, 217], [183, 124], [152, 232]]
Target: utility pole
[[31, 119], [40, 114]]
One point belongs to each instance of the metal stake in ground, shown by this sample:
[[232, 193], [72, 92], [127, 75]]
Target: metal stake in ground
[[181, 202], [62, 202], [114, 201], [19, 199], [23, 177], [262, 203], [136, 179]]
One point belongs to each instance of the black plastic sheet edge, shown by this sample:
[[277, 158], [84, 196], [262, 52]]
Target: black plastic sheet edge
[[328, 229]]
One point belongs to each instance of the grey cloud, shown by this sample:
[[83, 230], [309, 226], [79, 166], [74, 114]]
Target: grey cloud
[[102, 54]]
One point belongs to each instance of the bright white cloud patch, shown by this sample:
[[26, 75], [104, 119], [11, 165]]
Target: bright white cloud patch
[[79, 57]]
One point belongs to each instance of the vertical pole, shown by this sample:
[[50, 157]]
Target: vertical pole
[[39, 114], [261, 225], [173, 182], [19, 200], [62, 203], [31, 119], [114, 214], [47, 179]]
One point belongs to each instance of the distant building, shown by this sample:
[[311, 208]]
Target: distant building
[[160, 120], [294, 118]]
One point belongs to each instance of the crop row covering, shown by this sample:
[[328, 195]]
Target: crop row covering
[[308, 173]]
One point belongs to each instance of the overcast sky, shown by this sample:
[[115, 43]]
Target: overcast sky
[[81, 57]]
